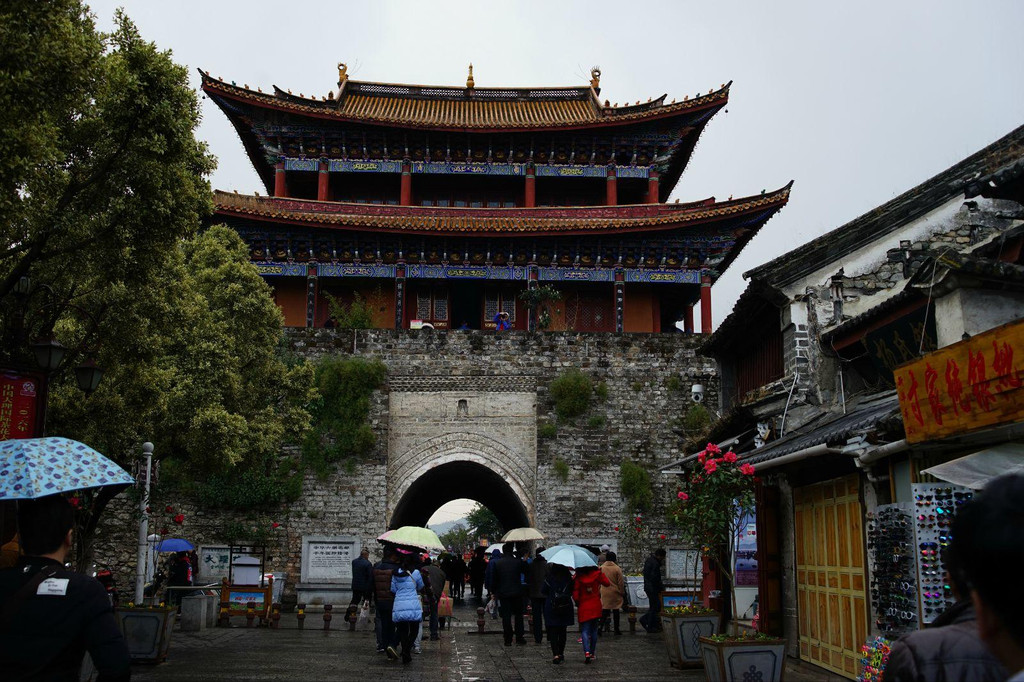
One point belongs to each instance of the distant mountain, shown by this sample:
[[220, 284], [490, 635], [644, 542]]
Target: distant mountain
[[444, 527]]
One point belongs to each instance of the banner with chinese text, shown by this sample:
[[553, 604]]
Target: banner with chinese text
[[964, 387], [18, 397]]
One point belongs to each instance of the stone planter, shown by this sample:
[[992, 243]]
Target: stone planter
[[683, 634], [147, 632], [738, 660]]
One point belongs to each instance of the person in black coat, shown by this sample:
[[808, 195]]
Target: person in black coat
[[558, 608], [362, 578], [51, 616], [537, 573], [507, 584], [477, 569], [653, 586]]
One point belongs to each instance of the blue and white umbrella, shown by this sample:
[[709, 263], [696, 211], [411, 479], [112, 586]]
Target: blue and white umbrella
[[36, 467], [571, 556]]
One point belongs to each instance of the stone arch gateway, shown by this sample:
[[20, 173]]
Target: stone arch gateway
[[455, 437]]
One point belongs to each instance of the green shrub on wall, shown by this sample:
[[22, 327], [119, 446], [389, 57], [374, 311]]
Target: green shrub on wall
[[571, 392], [547, 430], [561, 469], [636, 486]]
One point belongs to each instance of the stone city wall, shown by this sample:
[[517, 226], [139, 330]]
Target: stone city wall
[[638, 420]]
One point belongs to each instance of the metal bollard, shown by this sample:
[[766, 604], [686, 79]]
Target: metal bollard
[[250, 614], [632, 620], [327, 616], [275, 616], [301, 615], [224, 620], [480, 620]]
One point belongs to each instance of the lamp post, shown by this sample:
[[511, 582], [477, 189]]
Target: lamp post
[[140, 568]]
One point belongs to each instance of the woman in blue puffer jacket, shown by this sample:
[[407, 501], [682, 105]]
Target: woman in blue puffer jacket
[[406, 584]]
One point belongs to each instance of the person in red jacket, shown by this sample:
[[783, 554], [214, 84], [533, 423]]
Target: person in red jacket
[[586, 592]]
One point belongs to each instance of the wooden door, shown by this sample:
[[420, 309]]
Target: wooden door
[[830, 575], [769, 561]]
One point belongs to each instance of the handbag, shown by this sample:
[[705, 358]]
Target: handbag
[[444, 603]]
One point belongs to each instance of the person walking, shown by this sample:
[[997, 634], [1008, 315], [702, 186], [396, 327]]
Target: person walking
[[50, 616], [612, 596], [436, 578], [362, 582], [587, 593], [459, 578], [557, 590], [407, 613], [653, 586], [536, 574], [477, 569], [507, 585], [383, 571]]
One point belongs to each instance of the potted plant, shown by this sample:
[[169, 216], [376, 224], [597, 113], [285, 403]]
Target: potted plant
[[710, 507], [683, 627]]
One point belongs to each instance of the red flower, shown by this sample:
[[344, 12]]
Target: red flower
[[702, 456], [147, 509], [75, 502], [757, 479], [710, 466], [616, 527], [164, 531], [729, 457], [275, 524], [713, 449], [179, 519], [168, 509], [682, 496], [747, 469], [661, 537]]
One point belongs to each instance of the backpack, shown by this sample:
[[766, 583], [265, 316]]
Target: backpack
[[561, 601]]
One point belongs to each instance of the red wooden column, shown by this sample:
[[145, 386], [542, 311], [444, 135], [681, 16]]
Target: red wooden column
[[611, 197], [280, 184], [652, 188], [322, 182], [531, 186], [688, 319], [705, 304], [406, 198]]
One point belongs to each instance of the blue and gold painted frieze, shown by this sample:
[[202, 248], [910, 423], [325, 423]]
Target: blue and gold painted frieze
[[445, 168], [356, 270], [281, 269], [663, 276]]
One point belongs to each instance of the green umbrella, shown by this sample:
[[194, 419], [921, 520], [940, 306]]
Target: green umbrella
[[413, 536]]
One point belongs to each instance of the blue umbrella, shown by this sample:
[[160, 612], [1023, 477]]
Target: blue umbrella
[[37, 467], [174, 545], [572, 556]]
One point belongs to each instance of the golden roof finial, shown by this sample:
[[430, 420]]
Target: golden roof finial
[[469, 79], [342, 73]]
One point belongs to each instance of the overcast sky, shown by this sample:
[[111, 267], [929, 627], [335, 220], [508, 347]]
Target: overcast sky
[[856, 101]]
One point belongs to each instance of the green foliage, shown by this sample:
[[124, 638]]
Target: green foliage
[[673, 383], [538, 300], [340, 413], [697, 418], [355, 315], [571, 391], [596, 421], [601, 391], [547, 430], [483, 523], [561, 469], [636, 486], [458, 539], [637, 386]]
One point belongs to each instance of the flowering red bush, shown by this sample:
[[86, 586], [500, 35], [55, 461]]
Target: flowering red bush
[[179, 519]]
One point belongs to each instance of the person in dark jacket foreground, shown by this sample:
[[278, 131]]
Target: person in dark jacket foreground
[[387, 640], [51, 616], [988, 543], [653, 586], [558, 609], [537, 573], [507, 584]]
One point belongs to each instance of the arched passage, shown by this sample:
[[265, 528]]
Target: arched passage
[[453, 480]]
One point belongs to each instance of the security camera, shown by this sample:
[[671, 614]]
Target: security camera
[[697, 393]]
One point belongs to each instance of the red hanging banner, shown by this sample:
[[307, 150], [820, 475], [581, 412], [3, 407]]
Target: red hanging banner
[[19, 396]]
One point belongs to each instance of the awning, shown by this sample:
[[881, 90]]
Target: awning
[[974, 471]]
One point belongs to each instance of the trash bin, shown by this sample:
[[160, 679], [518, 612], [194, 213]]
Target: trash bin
[[279, 579], [245, 570], [635, 588]]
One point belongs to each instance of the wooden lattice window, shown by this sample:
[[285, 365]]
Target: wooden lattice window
[[496, 301], [586, 312], [432, 307]]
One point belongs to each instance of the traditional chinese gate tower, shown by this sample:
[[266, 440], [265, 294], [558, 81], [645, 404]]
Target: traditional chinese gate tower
[[442, 204]]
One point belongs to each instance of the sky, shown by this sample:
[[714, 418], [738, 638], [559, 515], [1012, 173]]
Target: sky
[[856, 102]]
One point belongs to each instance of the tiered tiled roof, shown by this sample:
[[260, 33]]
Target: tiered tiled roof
[[517, 221], [441, 107]]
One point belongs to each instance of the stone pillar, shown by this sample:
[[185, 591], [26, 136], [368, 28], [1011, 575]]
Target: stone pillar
[[620, 296], [652, 188], [280, 182], [531, 186], [611, 196], [310, 296], [705, 304], [399, 295], [406, 196], [688, 319], [322, 188]]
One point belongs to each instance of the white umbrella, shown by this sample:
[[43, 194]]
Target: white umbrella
[[522, 535], [495, 546]]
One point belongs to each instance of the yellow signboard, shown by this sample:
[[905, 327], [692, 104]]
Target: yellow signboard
[[964, 387]]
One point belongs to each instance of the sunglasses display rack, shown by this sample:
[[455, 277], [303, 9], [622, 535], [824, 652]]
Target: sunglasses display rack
[[935, 505], [893, 572]]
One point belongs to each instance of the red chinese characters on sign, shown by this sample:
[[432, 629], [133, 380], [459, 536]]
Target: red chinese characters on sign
[[992, 394], [18, 395]]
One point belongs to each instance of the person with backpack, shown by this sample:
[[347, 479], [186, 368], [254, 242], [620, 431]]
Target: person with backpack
[[558, 609], [587, 593]]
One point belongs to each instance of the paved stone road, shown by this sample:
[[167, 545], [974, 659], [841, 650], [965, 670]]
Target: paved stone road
[[461, 655]]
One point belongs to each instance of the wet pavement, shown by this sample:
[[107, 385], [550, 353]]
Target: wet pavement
[[461, 653]]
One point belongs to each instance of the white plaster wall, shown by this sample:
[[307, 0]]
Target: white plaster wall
[[974, 311]]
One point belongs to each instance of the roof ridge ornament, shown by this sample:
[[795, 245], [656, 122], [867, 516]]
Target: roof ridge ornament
[[342, 72], [469, 79], [595, 77]]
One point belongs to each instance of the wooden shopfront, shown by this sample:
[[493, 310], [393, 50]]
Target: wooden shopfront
[[830, 574]]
